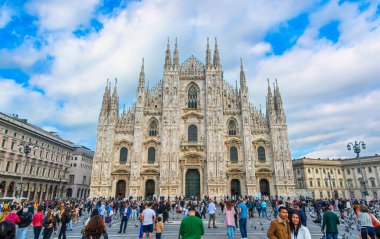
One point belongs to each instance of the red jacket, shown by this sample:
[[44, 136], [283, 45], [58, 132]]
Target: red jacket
[[13, 217], [38, 218]]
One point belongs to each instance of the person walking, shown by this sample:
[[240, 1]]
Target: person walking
[[148, 218], [191, 226], [211, 211], [330, 221], [243, 213], [229, 220], [25, 220], [159, 228], [125, 214], [264, 208], [365, 220], [49, 224], [65, 219], [203, 211], [297, 230], [37, 220], [302, 214], [280, 228]]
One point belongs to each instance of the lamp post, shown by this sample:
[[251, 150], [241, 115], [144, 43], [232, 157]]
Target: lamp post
[[27, 149], [349, 185], [357, 148], [61, 178], [329, 177]]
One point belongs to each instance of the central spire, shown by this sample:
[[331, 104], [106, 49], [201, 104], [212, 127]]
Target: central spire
[[242, 74], [176, 55], [168, 58], [216, 56], [142, 76]]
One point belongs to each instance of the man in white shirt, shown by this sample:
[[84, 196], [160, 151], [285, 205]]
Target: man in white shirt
[[211, 211], [148, 218]]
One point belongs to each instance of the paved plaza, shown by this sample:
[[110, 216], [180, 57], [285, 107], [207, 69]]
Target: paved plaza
[[257, 228]]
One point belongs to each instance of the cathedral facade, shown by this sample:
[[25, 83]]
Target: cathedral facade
[[192, 134]]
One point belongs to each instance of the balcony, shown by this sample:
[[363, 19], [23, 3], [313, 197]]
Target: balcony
[[197, 145]]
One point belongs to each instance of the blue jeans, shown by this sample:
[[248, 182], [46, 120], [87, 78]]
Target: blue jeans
[[331, 235], [230, 232], [264, 211], [21, 232], [243, 227], [70, 227]]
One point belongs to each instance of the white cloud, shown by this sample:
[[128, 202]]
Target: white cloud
[[319, 80], [5, 15], [60, 15]]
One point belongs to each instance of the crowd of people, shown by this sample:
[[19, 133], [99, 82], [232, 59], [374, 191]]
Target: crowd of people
[[289, 217]]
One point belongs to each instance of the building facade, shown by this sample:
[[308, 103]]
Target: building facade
[[43, 169], [192, 134], [339, 178], [80, 173]]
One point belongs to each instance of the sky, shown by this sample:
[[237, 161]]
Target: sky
[[56, 56]]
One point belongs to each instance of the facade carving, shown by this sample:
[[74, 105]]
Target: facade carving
[[192, 134]]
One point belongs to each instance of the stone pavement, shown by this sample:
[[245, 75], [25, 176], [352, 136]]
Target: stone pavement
[[256, 227]]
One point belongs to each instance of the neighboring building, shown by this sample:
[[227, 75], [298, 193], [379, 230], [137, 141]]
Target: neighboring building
[[339, 178], [43, 170], [80, 173], [192, 134]]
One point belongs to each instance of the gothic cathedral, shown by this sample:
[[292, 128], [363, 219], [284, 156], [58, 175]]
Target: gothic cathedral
[[192, 134]]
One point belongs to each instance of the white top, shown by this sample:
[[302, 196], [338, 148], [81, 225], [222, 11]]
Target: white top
[[348, 205], [303, 233], [148, 216], [365, 219], [211, 208]]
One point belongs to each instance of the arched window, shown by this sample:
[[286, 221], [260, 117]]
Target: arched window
[[153, 129], [123, 155], [233, 154], [261, 154], [231, 128], [192, 98], [192, 133], [151, 155]]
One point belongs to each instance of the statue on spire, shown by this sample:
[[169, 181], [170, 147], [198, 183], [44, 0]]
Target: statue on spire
[[216, 55], [208, 55], [176, 55]]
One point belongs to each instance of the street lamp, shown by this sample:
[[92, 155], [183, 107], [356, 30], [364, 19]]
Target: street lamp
[[303, 185], [356, 148], [329, 177], [61, 178], [27, 148], [349, 185]]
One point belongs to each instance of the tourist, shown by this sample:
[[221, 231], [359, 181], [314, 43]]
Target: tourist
[[148, 217], [365, 220], [5, 213], [7, 230], [95, 229], [297, 230], [159, 228], [49, 224], [102, 209], [191, 226], [280, 228], [37, 220], [302, 214], [203, 211], [264, 208], [211, 211], [125, 213], [64, 218], [229, 220], [25, 220], [243, 214], [330, 221], [258, 207]]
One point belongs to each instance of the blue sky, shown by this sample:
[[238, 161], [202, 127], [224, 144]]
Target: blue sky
[[55, 57]]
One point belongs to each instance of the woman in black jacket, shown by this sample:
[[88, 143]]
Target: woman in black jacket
[[26, 219], [49, 224], [65, 219]]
